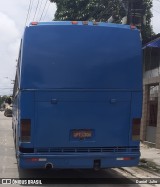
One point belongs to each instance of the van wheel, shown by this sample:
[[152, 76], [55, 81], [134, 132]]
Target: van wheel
[[15, 144]]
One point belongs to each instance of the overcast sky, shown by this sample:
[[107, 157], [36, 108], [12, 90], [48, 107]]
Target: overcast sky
[[13, 14]]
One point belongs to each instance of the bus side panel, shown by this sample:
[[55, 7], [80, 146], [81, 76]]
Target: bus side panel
[[15, 118], [136, 113]]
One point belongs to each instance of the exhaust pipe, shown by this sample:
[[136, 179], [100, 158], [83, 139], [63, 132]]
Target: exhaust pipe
[[49, 166]]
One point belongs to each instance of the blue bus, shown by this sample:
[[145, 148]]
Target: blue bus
[[77, 97]]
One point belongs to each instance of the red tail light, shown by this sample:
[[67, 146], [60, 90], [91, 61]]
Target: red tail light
[[25, 130], [136, 123], [34, 23], [95, 23], [132, 26], [85, 22], [74, 22], [125, 158]]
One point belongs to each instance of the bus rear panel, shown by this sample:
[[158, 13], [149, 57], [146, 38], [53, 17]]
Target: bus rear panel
[[78, 96]]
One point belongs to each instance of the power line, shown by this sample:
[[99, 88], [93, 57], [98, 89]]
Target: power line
[[39, 8], [28, 12], [46, 11], [36, 10], [31, 9], [124, 6], [43, 10], [156, 11], [157, 4], [5, 88]]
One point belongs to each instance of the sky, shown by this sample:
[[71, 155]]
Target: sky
[[13, 18], [156, 16]]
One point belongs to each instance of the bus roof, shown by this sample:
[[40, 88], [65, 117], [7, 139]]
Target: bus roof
[[90, 23]]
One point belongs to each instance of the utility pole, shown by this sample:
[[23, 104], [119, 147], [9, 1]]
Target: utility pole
[[135, 13]]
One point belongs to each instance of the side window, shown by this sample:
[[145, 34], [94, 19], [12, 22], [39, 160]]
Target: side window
[[19, 59], [15, 89]]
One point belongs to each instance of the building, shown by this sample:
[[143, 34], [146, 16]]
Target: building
[[150, 122]]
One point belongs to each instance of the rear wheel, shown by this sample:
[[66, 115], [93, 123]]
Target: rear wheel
[[15, 144]]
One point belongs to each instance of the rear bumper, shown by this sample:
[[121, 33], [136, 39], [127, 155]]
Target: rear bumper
[[75, 161]]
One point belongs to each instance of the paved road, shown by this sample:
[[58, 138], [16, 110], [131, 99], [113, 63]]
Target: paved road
[[8, 165]]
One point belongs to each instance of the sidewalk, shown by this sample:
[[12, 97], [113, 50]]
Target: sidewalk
[[150, 157]]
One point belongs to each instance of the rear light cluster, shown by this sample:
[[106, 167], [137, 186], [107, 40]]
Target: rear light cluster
[[37, 159], [84, 22], [125, 158], [25, 130], [34, 23], [136, 123]]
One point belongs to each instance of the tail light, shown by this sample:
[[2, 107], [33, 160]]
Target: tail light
[[25, 130], [74, 22], [34, 23], [95, 23], [136, 123], [37, 159], [125, 158], [85, 22], [132, 26]]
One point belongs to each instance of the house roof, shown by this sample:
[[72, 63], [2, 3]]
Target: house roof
[[153, 43]]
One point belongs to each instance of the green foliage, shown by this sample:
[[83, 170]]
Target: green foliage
[[147, 30], [100, 10], [2, 99]]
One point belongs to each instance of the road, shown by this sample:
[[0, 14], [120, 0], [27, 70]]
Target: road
[[9, 169]]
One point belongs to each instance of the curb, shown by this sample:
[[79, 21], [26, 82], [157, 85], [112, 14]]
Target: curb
[[149, 165]]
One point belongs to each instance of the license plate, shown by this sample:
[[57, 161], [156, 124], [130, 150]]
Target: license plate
[[82, 134]]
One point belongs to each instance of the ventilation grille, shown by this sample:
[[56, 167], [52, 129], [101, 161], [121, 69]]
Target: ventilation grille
[[87, 150]]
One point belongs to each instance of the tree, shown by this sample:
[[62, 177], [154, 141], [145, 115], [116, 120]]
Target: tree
[[2, 99], [102, 10], [99, 10], [147, 29]]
